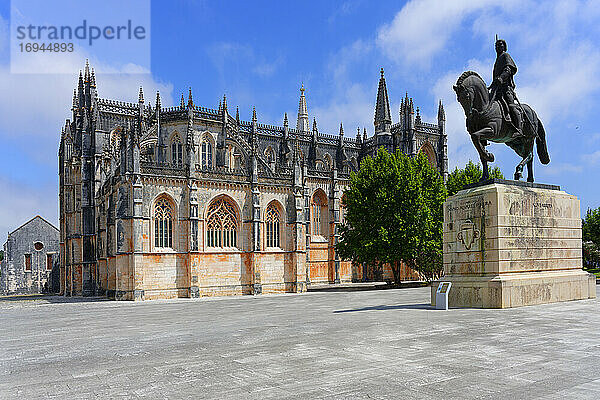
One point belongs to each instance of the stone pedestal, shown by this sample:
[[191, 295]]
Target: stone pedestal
[[510, 244]]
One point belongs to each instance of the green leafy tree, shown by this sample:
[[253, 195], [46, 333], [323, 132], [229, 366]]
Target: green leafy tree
[[591, 240], [472, 173], [394, 213], [591, 226]]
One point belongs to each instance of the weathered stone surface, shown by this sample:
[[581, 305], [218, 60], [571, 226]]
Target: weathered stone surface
[[42, 275], [118, 160], [508, 245]]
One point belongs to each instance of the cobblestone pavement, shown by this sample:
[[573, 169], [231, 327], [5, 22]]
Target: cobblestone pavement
[[382, 344]]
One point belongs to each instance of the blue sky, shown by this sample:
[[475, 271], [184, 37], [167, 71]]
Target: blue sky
[[259, 52]]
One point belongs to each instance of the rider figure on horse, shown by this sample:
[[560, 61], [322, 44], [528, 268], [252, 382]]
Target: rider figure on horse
[[503, 85]]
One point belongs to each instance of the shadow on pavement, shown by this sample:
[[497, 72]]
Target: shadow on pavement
[[423, 306], [360, 286], [49, 298]]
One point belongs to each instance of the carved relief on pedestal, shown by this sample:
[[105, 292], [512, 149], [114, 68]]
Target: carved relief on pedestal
[[467, 234]]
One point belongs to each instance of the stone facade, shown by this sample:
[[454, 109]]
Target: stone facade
[[510, 244], [31, 259], [187, 201]]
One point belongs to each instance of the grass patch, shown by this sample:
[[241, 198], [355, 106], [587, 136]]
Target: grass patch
[[595, 271]]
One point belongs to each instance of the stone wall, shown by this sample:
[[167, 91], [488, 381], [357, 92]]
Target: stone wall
[[508, 244], [14, 278]]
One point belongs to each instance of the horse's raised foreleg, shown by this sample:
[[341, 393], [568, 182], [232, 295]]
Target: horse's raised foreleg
[[519, 169], [476, 138]]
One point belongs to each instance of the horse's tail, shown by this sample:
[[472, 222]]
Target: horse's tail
[[540, 141]]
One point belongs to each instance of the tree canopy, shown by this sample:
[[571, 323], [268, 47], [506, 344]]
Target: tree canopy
[[591, 240], [471, 173], [591, 226], [394, 213]]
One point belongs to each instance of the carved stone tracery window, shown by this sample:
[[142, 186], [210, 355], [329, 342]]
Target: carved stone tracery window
[[272, 220], [221, 225], [163, 224], [176, 151]]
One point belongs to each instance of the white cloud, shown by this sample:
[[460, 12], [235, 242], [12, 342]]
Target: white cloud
[[20, 202], [37, 105], [34, 108], [353, 106], [421, 29], [346, 8], [558, 168], [559, 70], [561, 79], [593, 138], [592, 158], [347, 101], [266, 69]]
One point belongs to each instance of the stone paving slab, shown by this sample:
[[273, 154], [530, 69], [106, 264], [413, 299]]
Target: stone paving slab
[[381, 344]]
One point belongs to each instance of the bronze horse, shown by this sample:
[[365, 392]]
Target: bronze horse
[[485, 122]]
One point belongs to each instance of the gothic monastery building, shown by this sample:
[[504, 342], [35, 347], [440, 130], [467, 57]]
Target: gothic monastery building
[[188, 201]]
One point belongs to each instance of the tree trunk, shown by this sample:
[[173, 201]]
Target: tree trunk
[[396, 270]]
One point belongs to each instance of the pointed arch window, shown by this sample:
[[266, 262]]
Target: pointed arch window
[[319, 214], [270, 155], [328, 162], [273, 222], [316, 220], [221, 225], [176, 151], [343, 209], [206, 153], [163, 224], [429, 152]]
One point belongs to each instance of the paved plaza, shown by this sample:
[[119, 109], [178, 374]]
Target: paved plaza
[[380, 344]]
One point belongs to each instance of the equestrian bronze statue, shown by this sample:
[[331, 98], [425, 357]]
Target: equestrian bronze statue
[[495, 114]]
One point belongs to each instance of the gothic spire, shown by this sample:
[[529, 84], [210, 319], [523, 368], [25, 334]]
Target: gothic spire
[[80, 94], [157, 100], [364, 134], [190, 99], [441, 113], [341, 129], [358, 140], [93, 79], [254, 132], [302, 123], [285, 120], [182, 102], [189, 138], [141, 95], [87, 71], [237, 115], [157, 111], [312, 149], [383, 119], [224, 103], [418, 117]]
